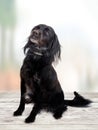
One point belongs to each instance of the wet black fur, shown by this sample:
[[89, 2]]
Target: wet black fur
[[39, 81]]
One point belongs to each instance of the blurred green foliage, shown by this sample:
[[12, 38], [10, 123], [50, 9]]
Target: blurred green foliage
[[7, 13]]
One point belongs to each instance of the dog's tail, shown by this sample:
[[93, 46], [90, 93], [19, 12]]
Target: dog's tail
[[78, 101]]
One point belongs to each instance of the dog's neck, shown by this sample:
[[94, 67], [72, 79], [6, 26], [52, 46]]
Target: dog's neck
[[39, 51], [36, 51]]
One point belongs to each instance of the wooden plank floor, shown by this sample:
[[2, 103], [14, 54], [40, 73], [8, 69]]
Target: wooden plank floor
[[73, 118]]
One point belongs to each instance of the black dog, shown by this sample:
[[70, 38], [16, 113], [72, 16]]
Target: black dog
[[39, 82]]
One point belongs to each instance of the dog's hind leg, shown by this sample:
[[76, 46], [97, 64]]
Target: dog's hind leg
[[57, 113]]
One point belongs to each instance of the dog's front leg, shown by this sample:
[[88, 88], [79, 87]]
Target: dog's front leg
[[21, 107], [35, 110]]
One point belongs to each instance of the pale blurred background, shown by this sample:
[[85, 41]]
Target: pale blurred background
[[76, 24]]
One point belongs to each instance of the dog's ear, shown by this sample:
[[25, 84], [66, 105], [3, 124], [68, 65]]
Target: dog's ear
[[26, 47], [55, 50]]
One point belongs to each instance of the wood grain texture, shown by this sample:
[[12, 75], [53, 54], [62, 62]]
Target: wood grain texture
[[73, 119]]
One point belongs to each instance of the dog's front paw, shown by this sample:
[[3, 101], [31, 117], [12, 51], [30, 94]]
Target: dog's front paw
[[29, 119], [17, 113], [57, 115]]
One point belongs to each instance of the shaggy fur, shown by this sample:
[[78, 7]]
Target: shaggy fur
[[39, 81]]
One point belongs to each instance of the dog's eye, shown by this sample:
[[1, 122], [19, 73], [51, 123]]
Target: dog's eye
[[46, 31]]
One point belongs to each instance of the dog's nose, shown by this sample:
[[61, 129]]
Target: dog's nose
[[36, 34]]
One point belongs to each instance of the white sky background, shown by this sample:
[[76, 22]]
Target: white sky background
[[72, 20]]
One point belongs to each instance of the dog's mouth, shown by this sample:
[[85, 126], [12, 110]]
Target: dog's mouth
[[34, 41]]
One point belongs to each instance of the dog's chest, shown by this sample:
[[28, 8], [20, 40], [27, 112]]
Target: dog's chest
[[36, 78]]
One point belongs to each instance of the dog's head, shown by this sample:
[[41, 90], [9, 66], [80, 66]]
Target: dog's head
[[43, 41]]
